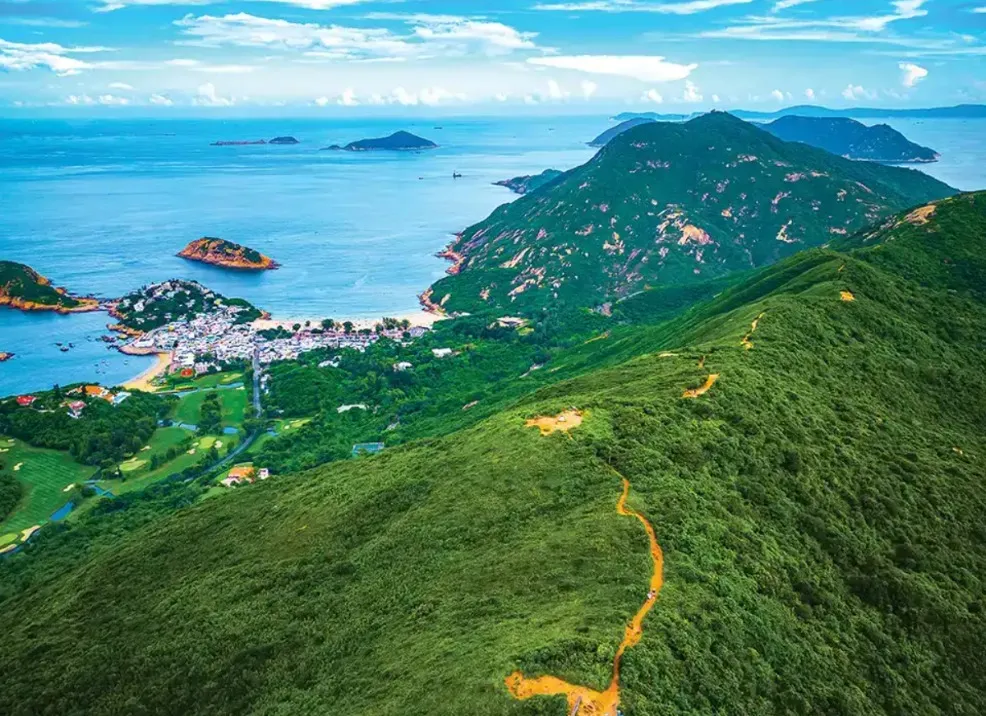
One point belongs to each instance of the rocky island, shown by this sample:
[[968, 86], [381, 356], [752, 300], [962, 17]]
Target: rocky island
[[5, 356], [529, 182], [227, 254], [603, 139], [24, 288], [283, 140], [851, 139], [397, 142], [237, 142], [176, 300]]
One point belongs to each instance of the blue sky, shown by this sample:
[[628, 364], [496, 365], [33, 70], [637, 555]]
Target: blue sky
[[364, 56]]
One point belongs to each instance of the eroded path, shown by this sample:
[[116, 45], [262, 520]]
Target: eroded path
[[581, 699]]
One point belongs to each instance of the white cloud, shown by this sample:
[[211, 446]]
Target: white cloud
[[911, 74], [652, 95], [777, 95], [120, 86], [110, 5], [207, 97], [43, 22], [555, 92], [50, 55], [322, 101], [348, 98], [782, 5], [979, 10], [691, 93], [79, 99], [853, 92], [667, 8], [810, 93], [588, 88], [113, 101], [160, 100], [647, 68], [501, 96], [715, 99], [495, 37]]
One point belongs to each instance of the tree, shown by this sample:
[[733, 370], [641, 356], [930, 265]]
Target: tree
[[347, 327], [328, 324]]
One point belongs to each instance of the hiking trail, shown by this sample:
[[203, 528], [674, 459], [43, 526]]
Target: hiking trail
[[702, 389], [581, 699], [746, 342]]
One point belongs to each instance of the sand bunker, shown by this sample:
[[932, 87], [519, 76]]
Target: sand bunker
[[564, 422], [846, 296], [581, 699], [68, 487], [26, 534], [702, 389]]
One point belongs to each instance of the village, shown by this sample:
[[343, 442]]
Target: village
[[216, 338]]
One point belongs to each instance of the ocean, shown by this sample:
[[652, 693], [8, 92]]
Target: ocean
[[102, 207]]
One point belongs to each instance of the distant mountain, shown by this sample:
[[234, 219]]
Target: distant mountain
[[962, 111], [851, 139], [669, 203], [283, 140], [529, 182], [398, 141], [604, 138]]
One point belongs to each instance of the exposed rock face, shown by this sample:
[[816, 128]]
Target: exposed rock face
[[5, 356], [227, 254], [397, 142], [851, 139], [23, 288]]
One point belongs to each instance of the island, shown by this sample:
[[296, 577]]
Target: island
[[237, 142], [529, 182], [851, 139], [5, 356], [283, 140], [227, 254], [159, 304], [397, 142], [24, 288], [603, 139]]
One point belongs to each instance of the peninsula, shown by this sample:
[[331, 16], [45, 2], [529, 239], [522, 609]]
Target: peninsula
[[24, 288], [227, 254], [851, 139], [529, 182], [397, 142], [603, 139], [161, 303]]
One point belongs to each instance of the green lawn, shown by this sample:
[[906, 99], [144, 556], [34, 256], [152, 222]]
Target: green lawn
[[233, 401], [45, 474], [208, 381]]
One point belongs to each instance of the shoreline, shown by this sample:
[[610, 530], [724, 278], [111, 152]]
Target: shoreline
[[419, 318], [142, 381]]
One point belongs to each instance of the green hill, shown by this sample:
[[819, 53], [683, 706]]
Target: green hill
[[851, 139], [23, 287], [820, 510], [669, 204]]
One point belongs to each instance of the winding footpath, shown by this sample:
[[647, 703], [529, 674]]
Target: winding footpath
[[581, 699]]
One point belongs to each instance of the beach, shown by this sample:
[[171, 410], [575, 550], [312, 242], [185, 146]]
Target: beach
[[415, 318], [143, 381]]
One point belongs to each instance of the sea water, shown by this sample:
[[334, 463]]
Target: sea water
[[102, 207]]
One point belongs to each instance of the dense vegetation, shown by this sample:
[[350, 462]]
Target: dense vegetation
[[11, 492], [226, 253], [20, 284], [604, 138], [851, 139], [210, 415], [158, 304], [820, 511], [669, 204], [529, 182], [103, 435]]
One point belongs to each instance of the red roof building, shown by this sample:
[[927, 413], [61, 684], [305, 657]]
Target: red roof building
[[25, 400]]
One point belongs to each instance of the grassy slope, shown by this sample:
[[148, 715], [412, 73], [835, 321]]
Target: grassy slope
[[820, 511], [22, 282], [670, 204]]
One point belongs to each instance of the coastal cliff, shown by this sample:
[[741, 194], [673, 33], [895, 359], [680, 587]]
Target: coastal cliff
[[227, 254], [23, 288]]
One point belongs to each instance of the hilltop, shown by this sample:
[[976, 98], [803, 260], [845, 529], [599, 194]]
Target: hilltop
[[959, 111], [24, 288], [668, 204], [157, 304], [851, 139], [808, 448], [604, 138], [398, 141], [227, 254]]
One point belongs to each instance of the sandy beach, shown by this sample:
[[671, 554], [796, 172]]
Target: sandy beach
[[415, 318], [143, 381]]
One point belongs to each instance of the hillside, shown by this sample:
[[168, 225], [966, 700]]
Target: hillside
[[227, 254], [819, 509], [160, 303], [604, 138], [668, 204], [24, 288], [398, 142], [529, 182], [851, 139]]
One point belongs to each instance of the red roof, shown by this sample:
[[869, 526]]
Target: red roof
[[25, 399], [76, 405]]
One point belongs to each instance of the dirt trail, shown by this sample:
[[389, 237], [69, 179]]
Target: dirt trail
[[702, 389], [746, 342], [581, 699]]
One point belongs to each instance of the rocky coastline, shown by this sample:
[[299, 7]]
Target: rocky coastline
[[5, 356], [226, 254]]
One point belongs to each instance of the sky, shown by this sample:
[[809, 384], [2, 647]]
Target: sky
[[333, 57]]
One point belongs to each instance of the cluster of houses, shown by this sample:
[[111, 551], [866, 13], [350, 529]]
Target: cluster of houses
[[244, 475], [75, 406]]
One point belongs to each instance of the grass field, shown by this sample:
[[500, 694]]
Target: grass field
[[233, 402], [45, 474], [208, 381]]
